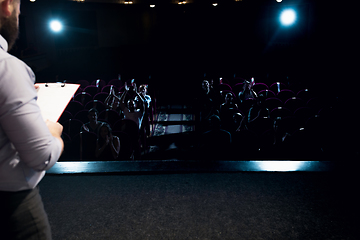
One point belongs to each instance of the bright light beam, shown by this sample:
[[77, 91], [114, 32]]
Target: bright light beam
[[56, 26], [287, 17]]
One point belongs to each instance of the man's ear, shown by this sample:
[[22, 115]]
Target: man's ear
[[6, 8]]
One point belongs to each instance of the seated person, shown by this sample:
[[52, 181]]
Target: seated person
[[258, 110], [247, 92], [93, 124], [227, 111], [229, 101], [207, 104], [107, 145]]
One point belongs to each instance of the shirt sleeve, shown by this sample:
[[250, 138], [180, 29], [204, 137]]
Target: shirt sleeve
[[21, 119]]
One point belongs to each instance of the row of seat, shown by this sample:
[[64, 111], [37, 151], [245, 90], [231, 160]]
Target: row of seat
[[100, 83], [237, 87]]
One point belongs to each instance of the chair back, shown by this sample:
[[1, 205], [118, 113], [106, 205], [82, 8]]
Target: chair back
[[66, 115], [98, 105], [238, 87], [99, 83], [72, 127], [82, 115], [280, 112], [101, 96], [277, 87], [83, 83], [92, 90], [266, 93], [259, 87], [272, 103], [74, 107], [305, 94], [83, 97], [285, 94], [294, 103]]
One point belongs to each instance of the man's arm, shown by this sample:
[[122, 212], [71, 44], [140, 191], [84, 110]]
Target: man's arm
[[56, 130], [115, 146], [111, 98], [141, 98], [38, 144], [122, 98]]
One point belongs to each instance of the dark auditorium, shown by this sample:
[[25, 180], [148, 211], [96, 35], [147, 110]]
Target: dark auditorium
[[193, 119]]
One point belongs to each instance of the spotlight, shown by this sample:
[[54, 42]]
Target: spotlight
[[287, 17], [56, 26]]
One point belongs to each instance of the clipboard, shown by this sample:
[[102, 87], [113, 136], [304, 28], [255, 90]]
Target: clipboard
[[53, 98]]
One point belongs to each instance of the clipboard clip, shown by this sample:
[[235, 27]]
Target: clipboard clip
[[58, 84]]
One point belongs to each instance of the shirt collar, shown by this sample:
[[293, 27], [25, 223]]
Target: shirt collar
[[3, 44]]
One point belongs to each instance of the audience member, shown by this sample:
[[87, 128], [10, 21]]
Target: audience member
[[247, 92], [112, 101], [227, 111], [258, 110], [107, 145], [229, 102], [238, 121], [207, 103], [143, 90], [93, 124], [133, 110], [133, 103]]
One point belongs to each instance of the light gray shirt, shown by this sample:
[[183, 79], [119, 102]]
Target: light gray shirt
[[27, 148]]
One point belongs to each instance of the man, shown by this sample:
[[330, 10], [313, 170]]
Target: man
[[133, 109], [143, 92], [28, 144], [93, 124]]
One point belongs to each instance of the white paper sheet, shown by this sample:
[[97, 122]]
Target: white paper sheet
[[54, 97]]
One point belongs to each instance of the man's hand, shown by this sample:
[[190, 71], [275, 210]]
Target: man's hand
[[55, 129]]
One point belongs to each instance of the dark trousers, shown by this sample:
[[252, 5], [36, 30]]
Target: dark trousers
[[22, 216]]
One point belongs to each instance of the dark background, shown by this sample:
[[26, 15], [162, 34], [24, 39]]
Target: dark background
[[179, 43]]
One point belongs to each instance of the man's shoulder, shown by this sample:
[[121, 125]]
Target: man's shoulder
[[7, 56], [13, 63]]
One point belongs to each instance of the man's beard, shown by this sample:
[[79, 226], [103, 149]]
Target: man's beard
[[10, 30]]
